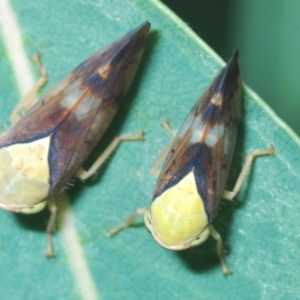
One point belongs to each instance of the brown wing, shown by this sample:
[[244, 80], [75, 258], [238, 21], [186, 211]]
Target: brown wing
[[78, 110], [206, 141]]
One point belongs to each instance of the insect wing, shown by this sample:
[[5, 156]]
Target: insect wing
[[78, 110], [206, 141]]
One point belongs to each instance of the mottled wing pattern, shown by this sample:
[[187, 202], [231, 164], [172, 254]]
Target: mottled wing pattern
[[206, 141], [78, 110]]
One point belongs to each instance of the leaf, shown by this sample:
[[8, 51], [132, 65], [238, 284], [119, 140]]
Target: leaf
[[260, 229]]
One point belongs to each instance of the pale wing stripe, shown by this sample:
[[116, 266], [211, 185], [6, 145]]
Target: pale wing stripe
[[11, 34], [75, 254]]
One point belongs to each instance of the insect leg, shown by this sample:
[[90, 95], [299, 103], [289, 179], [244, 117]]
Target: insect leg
[[229, 195], [51, 226], [128, 222], [220, 250], [31, 96], [166, 125], [83, 175]]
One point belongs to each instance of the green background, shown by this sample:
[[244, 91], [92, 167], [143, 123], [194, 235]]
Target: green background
[[260, 229], [267, 33]]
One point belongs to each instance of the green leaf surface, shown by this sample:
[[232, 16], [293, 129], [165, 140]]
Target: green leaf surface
[[260, 229]]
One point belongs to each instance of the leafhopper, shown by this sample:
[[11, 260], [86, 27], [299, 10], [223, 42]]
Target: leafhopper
[[193, 178], [47, 146]]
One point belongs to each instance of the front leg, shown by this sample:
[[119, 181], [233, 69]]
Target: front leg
[[83, 175], [229, 195]]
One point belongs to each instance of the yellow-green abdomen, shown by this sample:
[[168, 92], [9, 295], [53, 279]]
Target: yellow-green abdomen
[[178, 216], [24, 175]]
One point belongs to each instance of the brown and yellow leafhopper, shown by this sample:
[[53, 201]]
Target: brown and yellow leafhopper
[[193, 178], [47, 146]]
